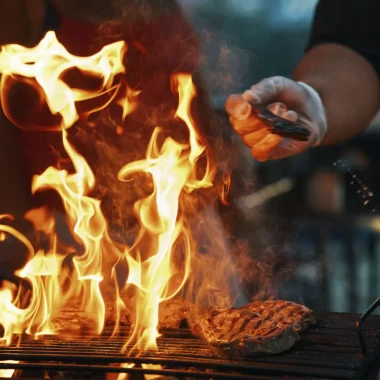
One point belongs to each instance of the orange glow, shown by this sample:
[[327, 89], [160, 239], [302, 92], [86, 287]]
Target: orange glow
[[173, 170], [160, 259], [46, 63], [7, 373]]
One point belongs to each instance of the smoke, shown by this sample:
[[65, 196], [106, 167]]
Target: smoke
[[223, 64], [225, 271]]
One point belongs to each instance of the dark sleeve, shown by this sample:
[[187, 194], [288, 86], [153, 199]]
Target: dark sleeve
[[352, 23]]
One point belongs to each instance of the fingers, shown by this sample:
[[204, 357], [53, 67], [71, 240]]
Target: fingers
[[249, 125], [241, 117], [253, 132], [244, 121], [253, 138], [291, 115], [278, 108], [238, 108], [265, 91], [281, 110], [263, 149], [277, 89], [261, 143], [286, 98]]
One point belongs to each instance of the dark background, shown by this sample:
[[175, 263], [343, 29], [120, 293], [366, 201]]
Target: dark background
[[325, 229]]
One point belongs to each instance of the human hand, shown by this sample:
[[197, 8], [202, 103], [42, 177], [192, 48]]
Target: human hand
[[286, 98]]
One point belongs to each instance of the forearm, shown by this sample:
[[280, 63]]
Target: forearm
[[348, 85]]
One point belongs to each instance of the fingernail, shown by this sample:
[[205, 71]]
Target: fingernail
[[291, 115], [278, 108], [237, 107]]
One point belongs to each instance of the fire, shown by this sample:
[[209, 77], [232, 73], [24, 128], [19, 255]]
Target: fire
[[159, 260], [173, 170], [46, 63], [7, 373]]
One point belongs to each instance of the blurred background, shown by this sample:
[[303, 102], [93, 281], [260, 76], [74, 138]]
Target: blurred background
[[318, 213]]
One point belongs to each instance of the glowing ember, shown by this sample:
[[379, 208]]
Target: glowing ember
[[173, 168]]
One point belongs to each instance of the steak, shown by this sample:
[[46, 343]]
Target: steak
[[260, 327], [172, 313]]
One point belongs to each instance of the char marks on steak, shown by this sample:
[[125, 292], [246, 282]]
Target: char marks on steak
[[257, 328]]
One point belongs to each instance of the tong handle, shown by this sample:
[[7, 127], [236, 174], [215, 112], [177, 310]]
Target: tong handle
[[296, 130], [360, 324]]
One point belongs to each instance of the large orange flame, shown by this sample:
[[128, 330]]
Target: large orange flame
[[46, 63], [173, 170], [159, 261]]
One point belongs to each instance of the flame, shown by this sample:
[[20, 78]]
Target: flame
[[7, 373], [172, 168], [148, 367], [46, 63], [119, 376], [159, 260]]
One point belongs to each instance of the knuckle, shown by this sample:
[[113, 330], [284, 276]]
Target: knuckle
[[249, 139], [238, 108], [258, 155], [277, 82], [246, 126], [238, 126], [246, 141], [277, 78], [271, 86]]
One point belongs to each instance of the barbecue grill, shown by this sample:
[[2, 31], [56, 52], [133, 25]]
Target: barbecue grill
[[340, 346]]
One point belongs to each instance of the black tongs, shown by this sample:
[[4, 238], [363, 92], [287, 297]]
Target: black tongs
[[295, 130]]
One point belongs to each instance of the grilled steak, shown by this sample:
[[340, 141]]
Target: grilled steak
[[72, 322], [257, 328], [172, 313]]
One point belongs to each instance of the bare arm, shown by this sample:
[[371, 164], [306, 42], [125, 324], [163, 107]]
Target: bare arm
[[348, 85]]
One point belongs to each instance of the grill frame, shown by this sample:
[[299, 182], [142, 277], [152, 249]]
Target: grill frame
[[329, 350]]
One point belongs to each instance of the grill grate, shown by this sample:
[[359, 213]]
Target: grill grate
[[329, 350]]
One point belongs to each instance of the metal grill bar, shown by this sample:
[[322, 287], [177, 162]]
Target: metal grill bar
[[259, 369], [329, 350], [243, 366], [107, 369]]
